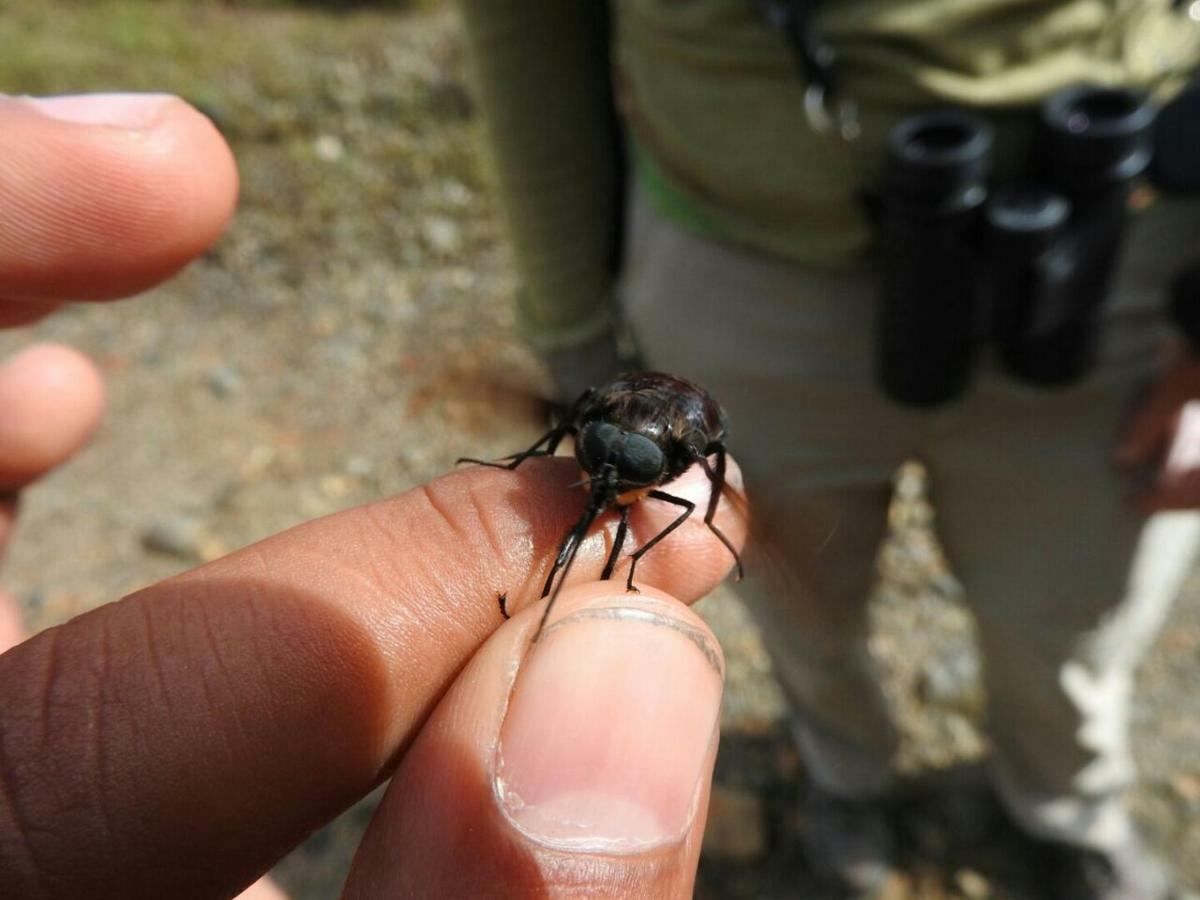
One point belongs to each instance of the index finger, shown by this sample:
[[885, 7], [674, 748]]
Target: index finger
[[104, 195], [178, 742]]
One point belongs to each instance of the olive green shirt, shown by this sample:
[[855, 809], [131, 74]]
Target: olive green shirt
[[712, 107]]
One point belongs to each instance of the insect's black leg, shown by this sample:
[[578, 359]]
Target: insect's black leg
[[551, 439], [566, 558], [716, 475], [569, 543], [689, 508], [564, 549], [618, 542]]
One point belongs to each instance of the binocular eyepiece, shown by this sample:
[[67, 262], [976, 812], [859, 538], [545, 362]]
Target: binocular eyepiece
[[1024, 266]]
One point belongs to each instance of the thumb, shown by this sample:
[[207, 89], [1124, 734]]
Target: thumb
[[578, 765]]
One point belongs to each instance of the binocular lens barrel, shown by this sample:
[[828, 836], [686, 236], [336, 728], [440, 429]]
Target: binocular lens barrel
[[939, 156], [1026, 283], [1093, 139], [1031, 272], [935, 185]]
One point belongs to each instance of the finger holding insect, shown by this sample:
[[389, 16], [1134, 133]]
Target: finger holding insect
[[689, 561], [291, 677], [577, 767]]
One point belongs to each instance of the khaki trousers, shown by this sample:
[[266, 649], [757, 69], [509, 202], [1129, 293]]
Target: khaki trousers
[[1068, 585]]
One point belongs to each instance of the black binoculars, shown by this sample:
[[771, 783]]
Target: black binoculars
[[1025, 266]]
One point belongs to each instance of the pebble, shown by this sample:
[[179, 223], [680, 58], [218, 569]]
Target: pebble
[[329, 147], [442, 235], [456, 193], [335, 487], [972, 885], [33, 601], [258, 460], [359, 467], [952, 680], [224, 380], [180, 536], [737, 825]]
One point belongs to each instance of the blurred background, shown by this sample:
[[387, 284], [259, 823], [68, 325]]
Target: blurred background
[[352, 335]]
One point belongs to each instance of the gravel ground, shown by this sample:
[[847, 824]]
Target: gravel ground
[[351, 336]]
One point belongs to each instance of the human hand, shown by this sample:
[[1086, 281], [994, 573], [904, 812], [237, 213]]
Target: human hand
[[178, 742], [101, 196], [1164, 433]]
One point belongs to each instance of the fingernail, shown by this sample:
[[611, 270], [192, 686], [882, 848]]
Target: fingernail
[[608, 733], [133, 111]]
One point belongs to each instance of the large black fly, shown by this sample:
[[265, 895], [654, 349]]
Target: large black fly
[[631, 436]]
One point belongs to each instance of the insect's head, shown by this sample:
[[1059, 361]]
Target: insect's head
[[605, 450]]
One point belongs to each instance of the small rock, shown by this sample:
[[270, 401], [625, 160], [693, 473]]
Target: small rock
[[33, 601], [334, 487], [442, 235], [952, 680], [417, 458], [359, 467], [224, 380], [329, 147], [737, 827], [962, 738], [972, 885], [456, 193], [211, 548], [258, 460], [181, 537]]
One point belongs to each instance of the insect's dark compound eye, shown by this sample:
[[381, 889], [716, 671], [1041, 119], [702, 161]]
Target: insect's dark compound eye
[[640, 460], [596, 443]]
